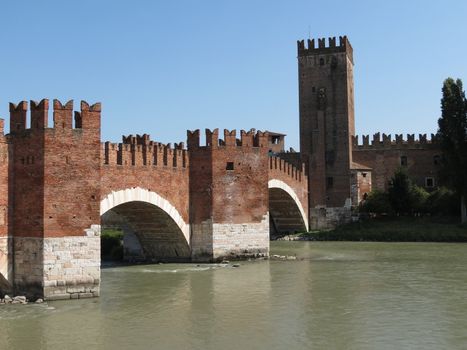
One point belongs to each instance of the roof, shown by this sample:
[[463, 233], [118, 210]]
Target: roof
[[358, 166], [272, 133]]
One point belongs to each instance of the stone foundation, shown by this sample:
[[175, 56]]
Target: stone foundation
[[5, 265], [231, 241], [28, 259], [328, 218], [72, 267], [201, 241], [58, 268]]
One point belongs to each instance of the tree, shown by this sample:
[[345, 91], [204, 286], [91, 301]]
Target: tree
[[377, 202], [400, 188], [452, 133]]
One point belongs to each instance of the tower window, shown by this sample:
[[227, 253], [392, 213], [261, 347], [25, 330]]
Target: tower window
[[321, 61], [329, 182], [436, 160], [429, 182], [404, 161], [229, 166]]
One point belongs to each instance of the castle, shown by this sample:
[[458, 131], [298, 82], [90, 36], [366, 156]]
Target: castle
[[207, 202]]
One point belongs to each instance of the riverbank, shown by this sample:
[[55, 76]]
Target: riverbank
[[394, 229]]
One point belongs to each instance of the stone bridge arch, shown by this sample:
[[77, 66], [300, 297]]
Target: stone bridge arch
[[161, 231], [287, 213]]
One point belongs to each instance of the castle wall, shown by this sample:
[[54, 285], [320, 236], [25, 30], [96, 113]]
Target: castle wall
[[384, 157]]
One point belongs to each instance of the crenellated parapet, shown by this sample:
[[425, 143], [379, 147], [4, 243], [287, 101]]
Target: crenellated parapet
[[140, 150], [385, 141], [319, 47], [87, 118], [250, 138], [279, 165]]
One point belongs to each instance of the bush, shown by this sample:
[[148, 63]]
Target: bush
[[443, 202], [377, 202], [418, 199]]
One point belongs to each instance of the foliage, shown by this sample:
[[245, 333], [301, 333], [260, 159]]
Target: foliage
[[404, 197], [111, 245], [400, 192], [453, 136], [443, 201], [418, 199], [377, 202]]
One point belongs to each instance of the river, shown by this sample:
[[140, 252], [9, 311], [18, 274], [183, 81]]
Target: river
[[334, 296]]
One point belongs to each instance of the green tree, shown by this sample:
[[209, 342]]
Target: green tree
[[399, 192], [377, 203], [452, 133]]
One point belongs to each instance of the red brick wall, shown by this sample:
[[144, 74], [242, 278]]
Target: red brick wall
[[71, 171], [26, 173], [149, 165], [385, 160], [234, 196]]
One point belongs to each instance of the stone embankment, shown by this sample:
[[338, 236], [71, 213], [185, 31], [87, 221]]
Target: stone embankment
[[20, 299]]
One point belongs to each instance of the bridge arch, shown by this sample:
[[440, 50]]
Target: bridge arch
[[159, 229], [285, 208]]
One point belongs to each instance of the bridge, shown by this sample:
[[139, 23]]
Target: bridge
[[206, 202]]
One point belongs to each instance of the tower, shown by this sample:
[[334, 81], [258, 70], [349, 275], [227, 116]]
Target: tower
[[229, 195], [326, 122], [54, 176]]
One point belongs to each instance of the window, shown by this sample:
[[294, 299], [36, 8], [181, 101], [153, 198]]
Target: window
[[364, 174], [436, 160], [429, 182], [229, 166], [321, 61], [404, 161], [329, 182]]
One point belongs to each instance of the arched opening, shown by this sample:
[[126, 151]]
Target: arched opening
[[286, 214], [147, 226]]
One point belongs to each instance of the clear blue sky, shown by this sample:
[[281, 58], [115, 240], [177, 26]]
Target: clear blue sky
[[161, 67]]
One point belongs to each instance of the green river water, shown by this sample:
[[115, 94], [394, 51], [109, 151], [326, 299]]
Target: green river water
[[334, 296]]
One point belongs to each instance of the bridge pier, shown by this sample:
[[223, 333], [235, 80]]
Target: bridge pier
[[229, 195]]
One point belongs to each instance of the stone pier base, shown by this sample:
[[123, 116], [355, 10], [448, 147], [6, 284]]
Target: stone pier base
[[57, 268], [215, 242], [328, 218], [5, 265]]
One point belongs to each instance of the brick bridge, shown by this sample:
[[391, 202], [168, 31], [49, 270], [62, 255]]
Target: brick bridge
[[206, 202]]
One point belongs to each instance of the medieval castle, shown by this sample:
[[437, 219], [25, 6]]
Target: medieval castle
[[201, 203]]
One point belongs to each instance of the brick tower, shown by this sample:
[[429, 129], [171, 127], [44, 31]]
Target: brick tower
[[229, 195], [54, 219], [327, 126]]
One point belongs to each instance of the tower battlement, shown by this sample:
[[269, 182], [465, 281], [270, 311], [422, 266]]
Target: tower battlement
[[319, 47], [250, 138], [385, 141], [62, 115]]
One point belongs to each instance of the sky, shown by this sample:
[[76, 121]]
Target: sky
[[162, 67]]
